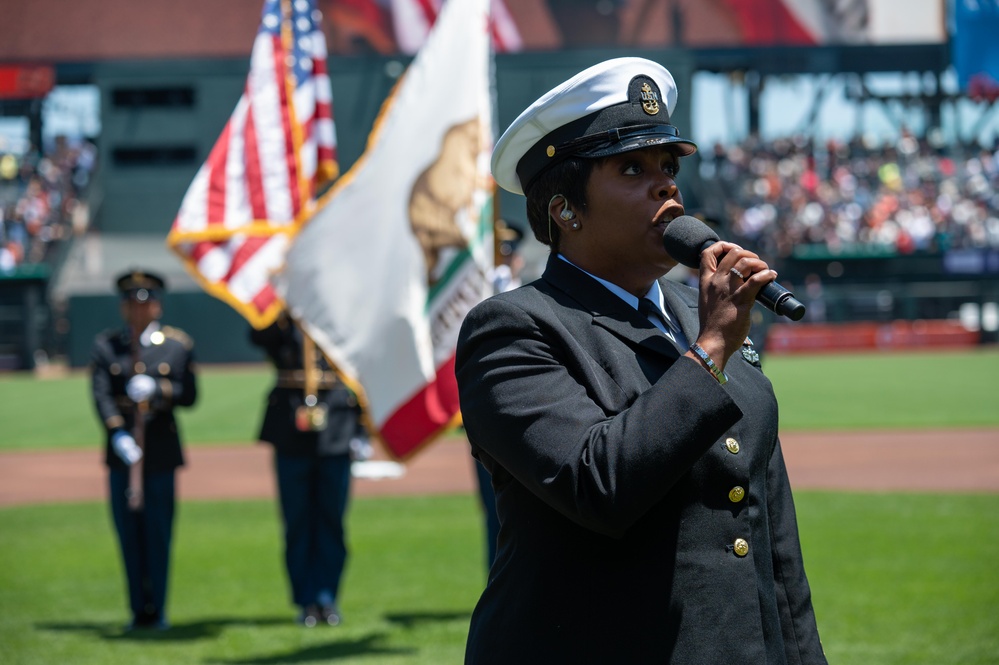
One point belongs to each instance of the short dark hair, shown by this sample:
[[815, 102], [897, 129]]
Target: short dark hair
[[568, 178]]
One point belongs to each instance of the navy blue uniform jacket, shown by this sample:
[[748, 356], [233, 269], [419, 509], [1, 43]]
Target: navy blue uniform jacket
[[283, 344], [614, 461], [170, 360]]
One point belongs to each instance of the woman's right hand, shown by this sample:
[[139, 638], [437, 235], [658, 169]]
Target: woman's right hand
[[726, 299]]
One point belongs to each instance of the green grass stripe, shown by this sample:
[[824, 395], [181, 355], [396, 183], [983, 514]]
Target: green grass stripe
[[915, 390], [924, 390], [897, 579]]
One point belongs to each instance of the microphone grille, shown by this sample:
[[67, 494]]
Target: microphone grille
[[686, 237]]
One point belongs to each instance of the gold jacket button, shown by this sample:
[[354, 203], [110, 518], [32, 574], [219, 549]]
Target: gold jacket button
[[163, 368], [140, 367], [736, 494], [732, 445], [741, 547]]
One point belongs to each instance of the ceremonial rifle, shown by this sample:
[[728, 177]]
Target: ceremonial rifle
[[135, 475]]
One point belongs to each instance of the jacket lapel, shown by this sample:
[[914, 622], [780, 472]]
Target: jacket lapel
[[682, 302], [607, 309]]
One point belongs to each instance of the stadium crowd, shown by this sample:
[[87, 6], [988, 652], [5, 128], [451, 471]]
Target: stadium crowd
[[779, 196], [792, 195], [42, 200]]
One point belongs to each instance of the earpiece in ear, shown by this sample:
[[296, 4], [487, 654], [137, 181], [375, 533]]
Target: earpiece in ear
[[566, 214]]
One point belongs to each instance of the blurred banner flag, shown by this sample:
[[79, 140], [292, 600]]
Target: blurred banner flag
[[414, 18], [353, 22], [975, 48], [800, 22], [400, 247], [257, 187]]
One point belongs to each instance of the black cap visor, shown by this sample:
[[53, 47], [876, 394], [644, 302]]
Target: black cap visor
[[600, 144], [626, 139]]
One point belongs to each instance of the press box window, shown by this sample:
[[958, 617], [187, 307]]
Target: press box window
[[176, 97], [154, 156]]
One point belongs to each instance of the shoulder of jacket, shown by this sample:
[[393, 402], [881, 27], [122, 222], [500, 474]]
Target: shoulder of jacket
[[107, 336], [685, 291], [178, 335], [494, 302], [110, 333]]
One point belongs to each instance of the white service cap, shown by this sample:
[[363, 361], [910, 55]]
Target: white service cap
[[618, 105]]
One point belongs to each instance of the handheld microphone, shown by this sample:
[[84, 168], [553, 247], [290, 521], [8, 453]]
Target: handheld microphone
[[686, 237]]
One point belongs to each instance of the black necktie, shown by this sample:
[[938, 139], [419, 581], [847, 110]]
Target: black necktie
[[647, 307]]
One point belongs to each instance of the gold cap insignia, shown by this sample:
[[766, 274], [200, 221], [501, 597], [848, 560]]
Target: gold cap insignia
[[650, 100]]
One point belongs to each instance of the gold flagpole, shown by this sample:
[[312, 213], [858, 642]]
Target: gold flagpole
[[311, 416]]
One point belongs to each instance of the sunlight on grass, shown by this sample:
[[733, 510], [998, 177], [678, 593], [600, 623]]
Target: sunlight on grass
[[897, 579]]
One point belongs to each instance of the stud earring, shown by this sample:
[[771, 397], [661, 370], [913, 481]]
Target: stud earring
[[566, 214], [575, 225]]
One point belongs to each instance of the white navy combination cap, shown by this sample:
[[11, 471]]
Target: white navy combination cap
[[618, 105]]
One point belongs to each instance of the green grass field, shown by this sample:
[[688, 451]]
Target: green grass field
[[898, 579], [823, 392], [922, 390]]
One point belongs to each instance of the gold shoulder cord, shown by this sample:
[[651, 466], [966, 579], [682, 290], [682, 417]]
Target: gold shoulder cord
[[312, 415]]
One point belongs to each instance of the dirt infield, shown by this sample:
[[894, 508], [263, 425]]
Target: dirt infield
[[917, 461]]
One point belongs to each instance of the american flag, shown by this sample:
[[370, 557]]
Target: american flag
[[258, 185], [397, 352], [414, 18]]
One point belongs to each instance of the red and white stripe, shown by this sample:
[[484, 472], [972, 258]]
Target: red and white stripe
[[412, 20], [397, 352], [258, 184], [505, 34]]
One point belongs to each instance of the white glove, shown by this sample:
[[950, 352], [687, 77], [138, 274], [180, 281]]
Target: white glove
[[140, 388], [125, 447], [361, 449]]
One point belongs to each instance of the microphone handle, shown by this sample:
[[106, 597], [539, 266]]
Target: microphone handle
[[780, 301]]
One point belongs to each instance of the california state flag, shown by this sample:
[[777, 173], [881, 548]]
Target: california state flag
[[398, 251]]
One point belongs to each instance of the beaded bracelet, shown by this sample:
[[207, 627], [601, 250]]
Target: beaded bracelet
[[712, 367]]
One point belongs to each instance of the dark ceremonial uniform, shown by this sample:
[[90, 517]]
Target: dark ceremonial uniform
[[311, 435], [167, 357], [645, 510], [508, 240], [690, 553], [166, 354]]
